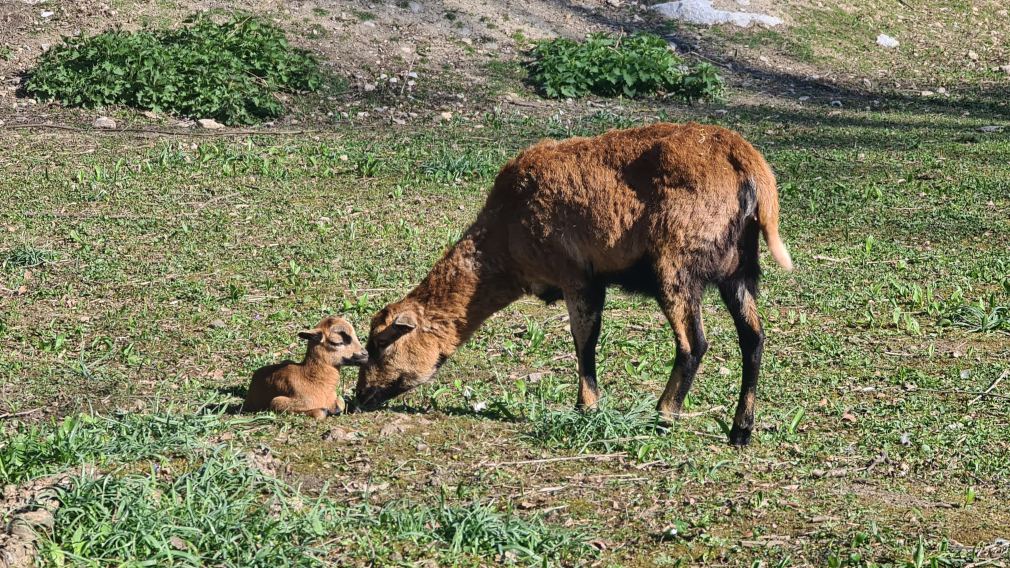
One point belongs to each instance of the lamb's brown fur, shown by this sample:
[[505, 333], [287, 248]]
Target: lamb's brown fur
[[664, 210], [310, 387]]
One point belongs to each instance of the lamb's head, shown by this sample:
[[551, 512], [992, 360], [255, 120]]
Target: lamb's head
[[333, 340], [404, 352]]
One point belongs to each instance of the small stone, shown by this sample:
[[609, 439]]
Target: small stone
[[972, 55], [848, 417], [941, 90], [444, 116], [177, 543], [928, 93], [906, 439], [887, 41], [836, 104], [724, 371], [218, 324], [339, 435], [1005, 69], [104, 122], [392, 429], [415, 7], [804, 99], [990, 128], [47, 14], [209, 124]]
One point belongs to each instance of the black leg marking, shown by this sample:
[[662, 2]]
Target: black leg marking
[[684, 315], [739, 296], [585, 312]]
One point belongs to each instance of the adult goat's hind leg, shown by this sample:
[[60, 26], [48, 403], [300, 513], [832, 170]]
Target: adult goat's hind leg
[[585, 312], [683, 310], [740, 297]]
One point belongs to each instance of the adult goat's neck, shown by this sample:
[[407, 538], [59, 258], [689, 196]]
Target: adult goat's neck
[[472, 281]]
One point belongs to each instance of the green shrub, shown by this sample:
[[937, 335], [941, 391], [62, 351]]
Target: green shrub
[[231, 72], [609, 66]]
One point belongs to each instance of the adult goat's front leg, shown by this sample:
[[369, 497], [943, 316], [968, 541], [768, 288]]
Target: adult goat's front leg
[[739, 296], [585, 313]]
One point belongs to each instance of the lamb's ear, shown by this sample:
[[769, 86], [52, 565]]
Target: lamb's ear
[[311, 335]]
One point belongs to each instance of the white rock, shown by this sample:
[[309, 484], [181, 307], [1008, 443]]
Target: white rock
[[887, 41], [47, 14], [104, 122], [209, 124], [836, 103], [702, 12], [973, 56]]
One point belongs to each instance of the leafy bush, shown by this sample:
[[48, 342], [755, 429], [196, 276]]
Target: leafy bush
[[609, 66], [231, 72]]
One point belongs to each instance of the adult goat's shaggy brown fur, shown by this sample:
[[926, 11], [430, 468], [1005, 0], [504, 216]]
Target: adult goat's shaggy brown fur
[[310, 387], [663, 210]]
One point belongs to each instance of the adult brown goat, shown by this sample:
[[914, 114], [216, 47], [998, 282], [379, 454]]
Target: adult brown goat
[[662, 210]]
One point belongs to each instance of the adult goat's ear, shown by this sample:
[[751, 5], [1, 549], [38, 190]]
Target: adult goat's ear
[[403, 324], [313, 335]]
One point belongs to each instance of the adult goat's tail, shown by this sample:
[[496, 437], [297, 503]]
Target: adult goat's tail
[[768, 214]]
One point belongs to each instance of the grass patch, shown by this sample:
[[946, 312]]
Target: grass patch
[[221, 513], [609, 66], [480, 530], [33, 451], [231, 71]]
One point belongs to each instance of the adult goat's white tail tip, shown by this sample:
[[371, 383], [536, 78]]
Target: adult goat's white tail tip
[[779, 252]]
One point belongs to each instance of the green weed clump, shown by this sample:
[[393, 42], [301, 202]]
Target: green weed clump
[[231, 72], [635, 428], [632, 66]]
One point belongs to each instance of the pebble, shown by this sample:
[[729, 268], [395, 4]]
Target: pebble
[[209, 124], [887, 41], [104, 122]]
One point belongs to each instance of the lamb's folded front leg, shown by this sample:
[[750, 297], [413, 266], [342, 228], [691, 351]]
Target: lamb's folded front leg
[[287, 404]]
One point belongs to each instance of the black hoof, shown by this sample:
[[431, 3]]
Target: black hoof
[[739, 437]]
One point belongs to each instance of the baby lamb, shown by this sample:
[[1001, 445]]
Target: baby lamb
[[309, 387]]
